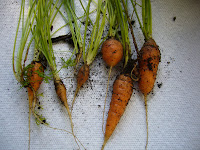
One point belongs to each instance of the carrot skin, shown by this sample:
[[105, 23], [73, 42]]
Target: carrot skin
[[122, 91], [34, 79], [148, 66], [112, 52], [60, 90], [82, 75]]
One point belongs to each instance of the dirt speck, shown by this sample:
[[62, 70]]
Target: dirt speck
[[159, 85]]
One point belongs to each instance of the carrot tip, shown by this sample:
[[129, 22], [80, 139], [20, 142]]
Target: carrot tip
[[104, 143]]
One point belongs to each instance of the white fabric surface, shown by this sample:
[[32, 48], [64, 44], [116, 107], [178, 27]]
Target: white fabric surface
[[173, 109]]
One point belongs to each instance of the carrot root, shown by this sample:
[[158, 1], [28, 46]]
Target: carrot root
[[82, 77], [34, 80], [104, 143], [76, 92], [146, 111], [61, 92], [122, 91]]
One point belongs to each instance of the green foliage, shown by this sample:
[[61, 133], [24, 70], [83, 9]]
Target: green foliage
[[26, 75], [69, 63]]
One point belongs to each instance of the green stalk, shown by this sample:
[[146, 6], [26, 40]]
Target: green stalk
[[76, 35], [130, 26], [112, 20], [142, 28], [86, 25], [146, 18], [67, 21], [26, 29], [150, 19], [85, 11], [122, 20], [96, 34]]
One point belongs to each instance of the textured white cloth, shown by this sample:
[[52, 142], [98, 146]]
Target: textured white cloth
[[173, 108]]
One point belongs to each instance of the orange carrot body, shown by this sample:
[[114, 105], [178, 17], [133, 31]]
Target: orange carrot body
[[60, 90], [122, 91], [34, 79], [82, 76], [112, 52], [148, 66]]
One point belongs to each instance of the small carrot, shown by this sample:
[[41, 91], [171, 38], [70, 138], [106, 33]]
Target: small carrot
[[148, 66], [82, 77], [122, 91], [112, 52], [44, 21], [149, 56], [34, 80], [93, 46]]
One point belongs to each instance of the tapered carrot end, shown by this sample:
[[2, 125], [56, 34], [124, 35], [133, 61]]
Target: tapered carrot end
[[104, 143], [77, 90], [146, 110]]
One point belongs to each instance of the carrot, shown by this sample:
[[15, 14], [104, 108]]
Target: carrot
[[112, 52], [82, 77], [148, 66], [122, 91], [34, 80], [44, 21], [149, 56], [93, 46]]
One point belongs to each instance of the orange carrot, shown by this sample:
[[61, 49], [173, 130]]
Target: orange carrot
[[112, 52], [61, 93], [148, 66], [34, 80], [122, 91], [82, 77]]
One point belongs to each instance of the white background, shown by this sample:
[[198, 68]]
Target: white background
[[174, 109]]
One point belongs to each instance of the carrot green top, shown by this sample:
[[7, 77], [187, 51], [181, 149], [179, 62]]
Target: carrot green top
[[146, 18]]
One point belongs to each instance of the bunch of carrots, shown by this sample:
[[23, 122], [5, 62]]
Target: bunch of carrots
[[115, 47]]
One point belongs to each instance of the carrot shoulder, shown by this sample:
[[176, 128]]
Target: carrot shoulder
[[122, 91]]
